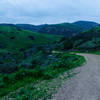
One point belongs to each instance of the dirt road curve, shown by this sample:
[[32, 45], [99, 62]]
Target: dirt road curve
[[86, 84]]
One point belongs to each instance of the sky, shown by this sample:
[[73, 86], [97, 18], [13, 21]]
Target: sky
[[48, 11]]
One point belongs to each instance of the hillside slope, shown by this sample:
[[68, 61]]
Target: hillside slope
[[15, 38], [89, 40], [85, 41], [85, 25], [19, 47], [34, 28], [65, 29]]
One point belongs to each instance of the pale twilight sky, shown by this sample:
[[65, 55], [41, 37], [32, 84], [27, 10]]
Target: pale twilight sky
[[49, 11]]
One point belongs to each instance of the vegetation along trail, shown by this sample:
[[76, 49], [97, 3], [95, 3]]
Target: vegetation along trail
[[86, 84]]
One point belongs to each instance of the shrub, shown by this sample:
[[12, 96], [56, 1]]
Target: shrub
[[20, 74], [6, 79], [1, 84], [48, 75], [68, 44]]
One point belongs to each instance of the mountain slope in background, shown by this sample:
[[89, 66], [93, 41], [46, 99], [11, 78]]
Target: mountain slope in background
[[65, 29], [30, 27], [86, 25]]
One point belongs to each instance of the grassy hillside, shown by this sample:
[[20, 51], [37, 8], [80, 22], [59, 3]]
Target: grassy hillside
[[30, 27], [85, 25], [19, 47], [12, 38], [65, 29], [85, 41]]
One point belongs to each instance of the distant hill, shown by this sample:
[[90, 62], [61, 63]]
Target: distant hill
[[65, 29], [30, 27], [85, 41], [85, 25], [10, 25]]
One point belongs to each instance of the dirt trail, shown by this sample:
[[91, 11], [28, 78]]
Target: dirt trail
[[86, 84]]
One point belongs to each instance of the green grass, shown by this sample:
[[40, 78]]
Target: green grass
[[95, 52], [21, 38], [24, 77], [90, 52]]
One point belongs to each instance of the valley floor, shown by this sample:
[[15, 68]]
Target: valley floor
[[85, 85]]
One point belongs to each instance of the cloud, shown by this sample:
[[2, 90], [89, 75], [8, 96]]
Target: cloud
[[48, 11]]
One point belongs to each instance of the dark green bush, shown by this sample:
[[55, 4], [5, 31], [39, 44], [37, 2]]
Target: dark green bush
[[48, 75], [1, 84], [20, 74], [6, 79]]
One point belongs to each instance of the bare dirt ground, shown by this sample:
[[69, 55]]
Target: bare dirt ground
[[85, 85]]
